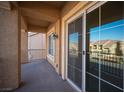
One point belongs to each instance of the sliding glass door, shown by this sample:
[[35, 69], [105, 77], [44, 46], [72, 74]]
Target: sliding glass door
[[75, 52], [105, 48], [92, 59], [112, 51]]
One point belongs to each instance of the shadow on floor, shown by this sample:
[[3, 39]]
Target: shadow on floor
[[40, 76]]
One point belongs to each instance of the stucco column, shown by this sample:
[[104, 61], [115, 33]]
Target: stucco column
[[9, 49], [24, 46]]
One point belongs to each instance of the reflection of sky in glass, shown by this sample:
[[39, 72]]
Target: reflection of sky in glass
[[73, 41], [110, 31], [73, 38]]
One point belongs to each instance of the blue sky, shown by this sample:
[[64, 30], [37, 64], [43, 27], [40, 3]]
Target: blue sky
[[73, 37], [110, 31]]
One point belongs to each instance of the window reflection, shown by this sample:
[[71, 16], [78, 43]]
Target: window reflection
[[109, 49], [75, 52], [73, 44], [51, 45], [92, 66], [105, 47]]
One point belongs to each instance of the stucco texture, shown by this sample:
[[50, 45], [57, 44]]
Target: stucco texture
[[9, 61]]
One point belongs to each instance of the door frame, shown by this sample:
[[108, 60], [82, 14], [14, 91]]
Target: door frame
[[83, 65], [82, 13]]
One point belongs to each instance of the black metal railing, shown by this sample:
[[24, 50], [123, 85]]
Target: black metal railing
[[110, 63]]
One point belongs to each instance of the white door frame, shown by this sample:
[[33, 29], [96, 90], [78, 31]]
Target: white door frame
[[83, 62], [79, 14]]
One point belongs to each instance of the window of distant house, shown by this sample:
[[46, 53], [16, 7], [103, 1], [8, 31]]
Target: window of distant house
[[95, 47], [51, 45]]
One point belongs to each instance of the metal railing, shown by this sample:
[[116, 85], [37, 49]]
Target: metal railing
[[109, 62]]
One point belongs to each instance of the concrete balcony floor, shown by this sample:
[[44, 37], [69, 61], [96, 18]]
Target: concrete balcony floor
[[40, 76]]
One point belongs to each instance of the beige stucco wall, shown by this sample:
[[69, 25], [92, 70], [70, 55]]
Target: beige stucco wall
[[56, 62], [49, 58], [24, 46], [37, 41], [9, 50], [37, 46]]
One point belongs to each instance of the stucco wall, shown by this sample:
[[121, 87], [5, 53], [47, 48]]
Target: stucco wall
[[24, 46], [49, 58], [37, 46], [9, 50], [56, 62]]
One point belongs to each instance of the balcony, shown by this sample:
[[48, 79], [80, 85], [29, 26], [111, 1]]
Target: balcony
[[62, 46]]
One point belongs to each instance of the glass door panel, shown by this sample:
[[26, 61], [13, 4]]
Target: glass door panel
[[112, 45], [105, 48], [92, 55], [75, 52]]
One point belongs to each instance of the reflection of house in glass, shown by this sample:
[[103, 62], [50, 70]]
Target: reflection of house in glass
[[106, 41], [107, 50], [73, 49], [107, 47], [73, 45]]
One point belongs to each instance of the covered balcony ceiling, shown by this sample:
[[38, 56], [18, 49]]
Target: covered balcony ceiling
[[41, 13]]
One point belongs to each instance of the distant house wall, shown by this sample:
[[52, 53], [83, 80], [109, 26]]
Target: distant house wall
[[37, 46]]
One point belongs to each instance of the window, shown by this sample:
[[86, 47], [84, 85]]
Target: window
[[95, 47], [51, 45]]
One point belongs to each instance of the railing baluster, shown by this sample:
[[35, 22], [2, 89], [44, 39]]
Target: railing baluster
[[110, 63]]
